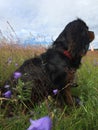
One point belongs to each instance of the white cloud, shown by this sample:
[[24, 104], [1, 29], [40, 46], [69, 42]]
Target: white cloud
[[46, 16]]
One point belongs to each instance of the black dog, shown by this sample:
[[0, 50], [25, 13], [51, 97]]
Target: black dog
[[55, 69]]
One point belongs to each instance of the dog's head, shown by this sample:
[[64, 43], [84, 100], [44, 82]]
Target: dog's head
[[75, 38]]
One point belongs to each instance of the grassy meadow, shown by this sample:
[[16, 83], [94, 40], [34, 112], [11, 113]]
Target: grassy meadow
[[84, 117]]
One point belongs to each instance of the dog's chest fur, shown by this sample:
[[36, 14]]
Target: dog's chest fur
[[70, 74]]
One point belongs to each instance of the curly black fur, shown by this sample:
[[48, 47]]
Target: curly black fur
[[54, 69]]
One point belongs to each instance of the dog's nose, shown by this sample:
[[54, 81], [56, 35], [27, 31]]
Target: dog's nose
[[91, 35]]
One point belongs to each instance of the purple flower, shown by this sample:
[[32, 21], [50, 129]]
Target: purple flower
[[95, 62], [17, 75], [16, 64], [43, 123], [7, 94], [78, 101], [6, 86], [55, 91], [9, 61]]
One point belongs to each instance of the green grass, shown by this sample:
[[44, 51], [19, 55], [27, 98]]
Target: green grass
[[84, 117]]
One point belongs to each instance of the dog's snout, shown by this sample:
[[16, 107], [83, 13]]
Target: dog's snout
[[91, 35]]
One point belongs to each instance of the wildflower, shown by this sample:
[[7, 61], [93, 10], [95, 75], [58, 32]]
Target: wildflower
[[6, 86], [17, 75], [16, 64], [7, 94], [95, 62], [55, 91], [78, 101], [9, 61], [43, 123]]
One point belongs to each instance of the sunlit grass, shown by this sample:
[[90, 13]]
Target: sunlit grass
[[67, 118], [13, 55]]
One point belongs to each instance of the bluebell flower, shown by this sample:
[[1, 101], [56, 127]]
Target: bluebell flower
[[7, 94], [6, 86], [17, 75], [9, 61], [16, 64], [43, 123], [55, 91]]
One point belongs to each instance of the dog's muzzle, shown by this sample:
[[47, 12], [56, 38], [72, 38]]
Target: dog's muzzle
[[91, 36]]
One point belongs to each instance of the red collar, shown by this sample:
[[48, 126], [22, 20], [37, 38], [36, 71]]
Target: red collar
[[67, 54]]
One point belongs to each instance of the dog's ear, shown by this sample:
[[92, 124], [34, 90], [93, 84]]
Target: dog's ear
[[61, 41], [60, 38]]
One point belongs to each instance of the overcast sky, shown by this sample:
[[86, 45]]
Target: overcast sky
[[46, 17]]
